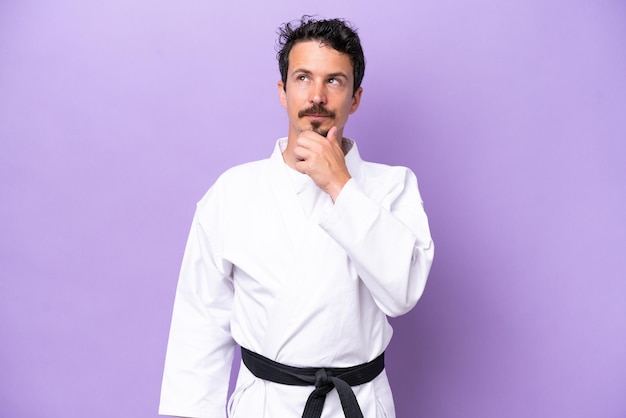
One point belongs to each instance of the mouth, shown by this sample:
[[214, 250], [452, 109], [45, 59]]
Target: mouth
[[317, 117]]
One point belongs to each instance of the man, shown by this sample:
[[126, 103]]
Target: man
[[299, 258]]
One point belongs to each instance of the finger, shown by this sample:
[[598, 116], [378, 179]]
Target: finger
[[332, 134], [311, 142], [303, 141], [310, 136], [301, 153], [302, 166]]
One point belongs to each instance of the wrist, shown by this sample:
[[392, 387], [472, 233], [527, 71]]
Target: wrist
[[336, 188]]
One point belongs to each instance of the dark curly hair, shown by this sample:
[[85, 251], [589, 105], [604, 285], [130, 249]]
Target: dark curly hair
[[336, 33]]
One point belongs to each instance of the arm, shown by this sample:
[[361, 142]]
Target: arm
[[200, 347], [384, 231], [387, 238]]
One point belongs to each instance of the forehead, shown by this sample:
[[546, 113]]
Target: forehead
[[316, 56]]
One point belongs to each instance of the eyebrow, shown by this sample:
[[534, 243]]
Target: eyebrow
[[338, 74], [331, 75]]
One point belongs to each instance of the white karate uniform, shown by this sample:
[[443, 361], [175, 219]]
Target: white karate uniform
[[273, 265]]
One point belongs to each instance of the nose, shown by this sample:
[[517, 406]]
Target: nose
[[318, 93]]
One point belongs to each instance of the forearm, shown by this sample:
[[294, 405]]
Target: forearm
[[200, 347], [389, 245]]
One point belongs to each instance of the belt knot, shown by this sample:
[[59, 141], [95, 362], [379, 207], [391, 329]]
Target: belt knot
[[322, 378]]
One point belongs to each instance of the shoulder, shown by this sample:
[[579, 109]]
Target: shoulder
[[373, 169], [244, 173], [376, 173], [385, 183], [383, 174], [235, 182]]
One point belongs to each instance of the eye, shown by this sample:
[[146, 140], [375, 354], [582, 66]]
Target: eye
[[334, 81], [302, 77]]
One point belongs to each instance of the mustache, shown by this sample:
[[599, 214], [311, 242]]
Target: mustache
[[316, 110]]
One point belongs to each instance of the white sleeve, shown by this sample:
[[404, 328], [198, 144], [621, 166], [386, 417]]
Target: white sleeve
[[200, 347], [388, 239]]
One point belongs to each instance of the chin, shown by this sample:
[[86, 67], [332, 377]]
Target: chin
[[317, 127], [323, 132]]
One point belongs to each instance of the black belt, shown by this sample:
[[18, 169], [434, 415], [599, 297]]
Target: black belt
[[324, 379]]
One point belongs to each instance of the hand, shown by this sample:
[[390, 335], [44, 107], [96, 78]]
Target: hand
[[322, 159]]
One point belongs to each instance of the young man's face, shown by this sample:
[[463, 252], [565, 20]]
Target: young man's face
[[319, 89]]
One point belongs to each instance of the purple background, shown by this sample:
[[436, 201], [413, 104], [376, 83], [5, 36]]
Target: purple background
[[116, 116]]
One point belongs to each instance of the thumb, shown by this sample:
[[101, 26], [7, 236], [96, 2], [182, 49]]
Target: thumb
[[332, 134]]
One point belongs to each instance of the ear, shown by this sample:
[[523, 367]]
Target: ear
[[282, 96], [356, 100]]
